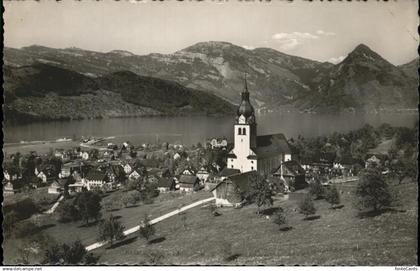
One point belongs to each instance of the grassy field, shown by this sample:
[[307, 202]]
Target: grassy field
[[69, 232], [338, 237]]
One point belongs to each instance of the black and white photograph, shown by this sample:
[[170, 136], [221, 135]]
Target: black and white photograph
[[210, 133]]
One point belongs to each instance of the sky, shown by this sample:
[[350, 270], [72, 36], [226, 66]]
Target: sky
[[322, 31]]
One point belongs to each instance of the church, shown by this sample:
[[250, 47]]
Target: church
[[251, 152]]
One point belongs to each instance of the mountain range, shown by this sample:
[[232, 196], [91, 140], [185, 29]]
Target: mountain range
[[215, 71]]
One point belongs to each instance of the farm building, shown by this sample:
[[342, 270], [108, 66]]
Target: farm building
[[165, 184], [189, 183], [293, 175], [229, 192]]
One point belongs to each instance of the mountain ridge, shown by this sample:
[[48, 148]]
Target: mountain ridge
[[275, 78], [36, 92]]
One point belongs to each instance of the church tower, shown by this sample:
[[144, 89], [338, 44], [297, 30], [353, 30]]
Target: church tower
[[242, 156]]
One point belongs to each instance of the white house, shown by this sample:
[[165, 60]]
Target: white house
[[218, 143], [8, 188], [177, 156], [135, 174], [55, 188]]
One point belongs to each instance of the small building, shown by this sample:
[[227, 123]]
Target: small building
[[226, 172], [230, 192], [218, 143], [292, 173], [96, 179], [373, 161], [9, 176], [165, 185], [8, 189], [56, 187], [77, 187], [188, 171], [137, 173], [84, 155], [128, 166], [177, 156], [203, 174], [47, 174], [189, 183]]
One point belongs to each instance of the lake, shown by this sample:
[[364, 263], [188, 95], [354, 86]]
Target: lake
[[190, 130]]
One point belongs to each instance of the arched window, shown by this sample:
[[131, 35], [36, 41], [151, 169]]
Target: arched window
[[239, 131], [244, 131]]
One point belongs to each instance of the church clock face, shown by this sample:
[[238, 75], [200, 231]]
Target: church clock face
[[241, 119]]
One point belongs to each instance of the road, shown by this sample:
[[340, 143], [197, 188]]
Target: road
[[52, 209], [153, 221]]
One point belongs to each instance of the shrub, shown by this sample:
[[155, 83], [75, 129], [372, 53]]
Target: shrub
[[316, 189], [72, 254], [332, 196], [25, 228], [135, 197], [25, 208], [372, 190], [10, 220], [146, 229], [279, 217], [306, 206]]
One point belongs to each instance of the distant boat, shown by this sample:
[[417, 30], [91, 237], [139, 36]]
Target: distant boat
[[64, 139]]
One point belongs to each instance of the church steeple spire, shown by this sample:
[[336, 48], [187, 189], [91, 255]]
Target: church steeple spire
[[245, 108], [246, 84]]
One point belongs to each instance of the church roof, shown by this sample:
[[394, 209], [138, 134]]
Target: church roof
[[271, 145], [228, 172], [239, 180], [245, 108]]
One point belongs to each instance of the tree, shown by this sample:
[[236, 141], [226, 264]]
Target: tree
[[111, 230], [402, 168], [88, 204], [372, 190], [332, 196], [306, 206], [260, 192], [135, 197], [316, 189], [125, 200], [146, 229], [67, 212], [149, 192]]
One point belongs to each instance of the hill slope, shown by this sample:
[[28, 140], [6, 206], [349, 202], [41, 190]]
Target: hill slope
[[46, 92]]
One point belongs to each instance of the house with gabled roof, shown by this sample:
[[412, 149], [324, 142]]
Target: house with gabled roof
[[165, 184], [189, 183], [96, 179], [231, 191], [292, 174]]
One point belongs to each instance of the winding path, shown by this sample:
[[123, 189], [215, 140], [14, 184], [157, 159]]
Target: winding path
[[153, 221], [52, 209]]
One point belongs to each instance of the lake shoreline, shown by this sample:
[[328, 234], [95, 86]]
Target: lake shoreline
[[190, 130]]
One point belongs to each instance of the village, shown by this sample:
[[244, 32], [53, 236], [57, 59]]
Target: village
[[115, 189]]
